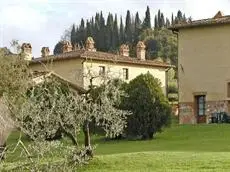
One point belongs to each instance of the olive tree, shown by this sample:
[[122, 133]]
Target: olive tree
[[43, 110]]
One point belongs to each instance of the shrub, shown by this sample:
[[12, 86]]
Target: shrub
[[150, 109], [172, 87], [173, 97]]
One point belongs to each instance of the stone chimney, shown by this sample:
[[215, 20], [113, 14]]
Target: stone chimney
[[45, 51], [26, 51], [90, 44], [124, 50], [219, 14], [67, 47], [140, 50]]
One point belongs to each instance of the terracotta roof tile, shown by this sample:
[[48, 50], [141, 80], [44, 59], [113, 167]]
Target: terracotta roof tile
[[216, 20], [101, 56]]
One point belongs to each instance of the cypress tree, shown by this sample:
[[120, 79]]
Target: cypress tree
[[156, 26], [82, 33], [184, 18], [89, 29], [122, 34], [73, 35], [172, 19], [102, 30], [159, 19], [147, 20], [162, 20], [137, 28], [128, 28], [167, 24], [179, 15], [115, 33], [97, 31], [109, 33]]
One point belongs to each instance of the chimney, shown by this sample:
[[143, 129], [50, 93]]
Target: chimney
[[140, 50], [124, 50], [45, 51], [26, 51], [67, 47], [90, 44], [219, 14]]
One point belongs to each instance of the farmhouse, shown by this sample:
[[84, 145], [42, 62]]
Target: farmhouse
[[203, 68], [84, 66]]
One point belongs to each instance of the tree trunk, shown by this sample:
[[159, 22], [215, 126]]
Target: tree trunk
[[86, 133], [73, 139], [2, 151], [89, 150]]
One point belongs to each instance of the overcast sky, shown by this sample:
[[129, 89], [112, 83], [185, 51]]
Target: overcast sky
[[42, 22]]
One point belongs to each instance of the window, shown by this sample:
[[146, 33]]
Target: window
[[101, 70], [228, 90], [125, 73], [200, 104]]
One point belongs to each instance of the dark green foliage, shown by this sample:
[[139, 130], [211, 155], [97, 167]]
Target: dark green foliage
[[150, 108], [73, 35], [128, 28], [156, 23], [58, 48], [160, 43], [172, 87], [147, 21], [137, 28], [122, 33], [108, 36], [115, 39]]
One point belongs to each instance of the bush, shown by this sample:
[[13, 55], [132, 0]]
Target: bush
[[150, 108], [172, 87], [173, 97]]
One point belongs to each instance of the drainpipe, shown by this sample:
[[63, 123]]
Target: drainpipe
[[176, 32]]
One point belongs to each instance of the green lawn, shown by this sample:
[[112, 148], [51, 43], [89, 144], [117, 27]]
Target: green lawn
[[179, 148]]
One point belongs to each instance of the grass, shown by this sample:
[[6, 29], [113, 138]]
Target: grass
[[179, 148]]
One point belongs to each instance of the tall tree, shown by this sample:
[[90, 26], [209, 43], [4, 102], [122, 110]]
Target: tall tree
[[128, 28], [73, 35], [109, 32], [147, 20], [159, 18], [162, 20], [172, 19], [137, 28], [101, 35], [121, 33], [115, 33], [82, 32], [97, 31], [167, 23], [156, 26], [89, 29]]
